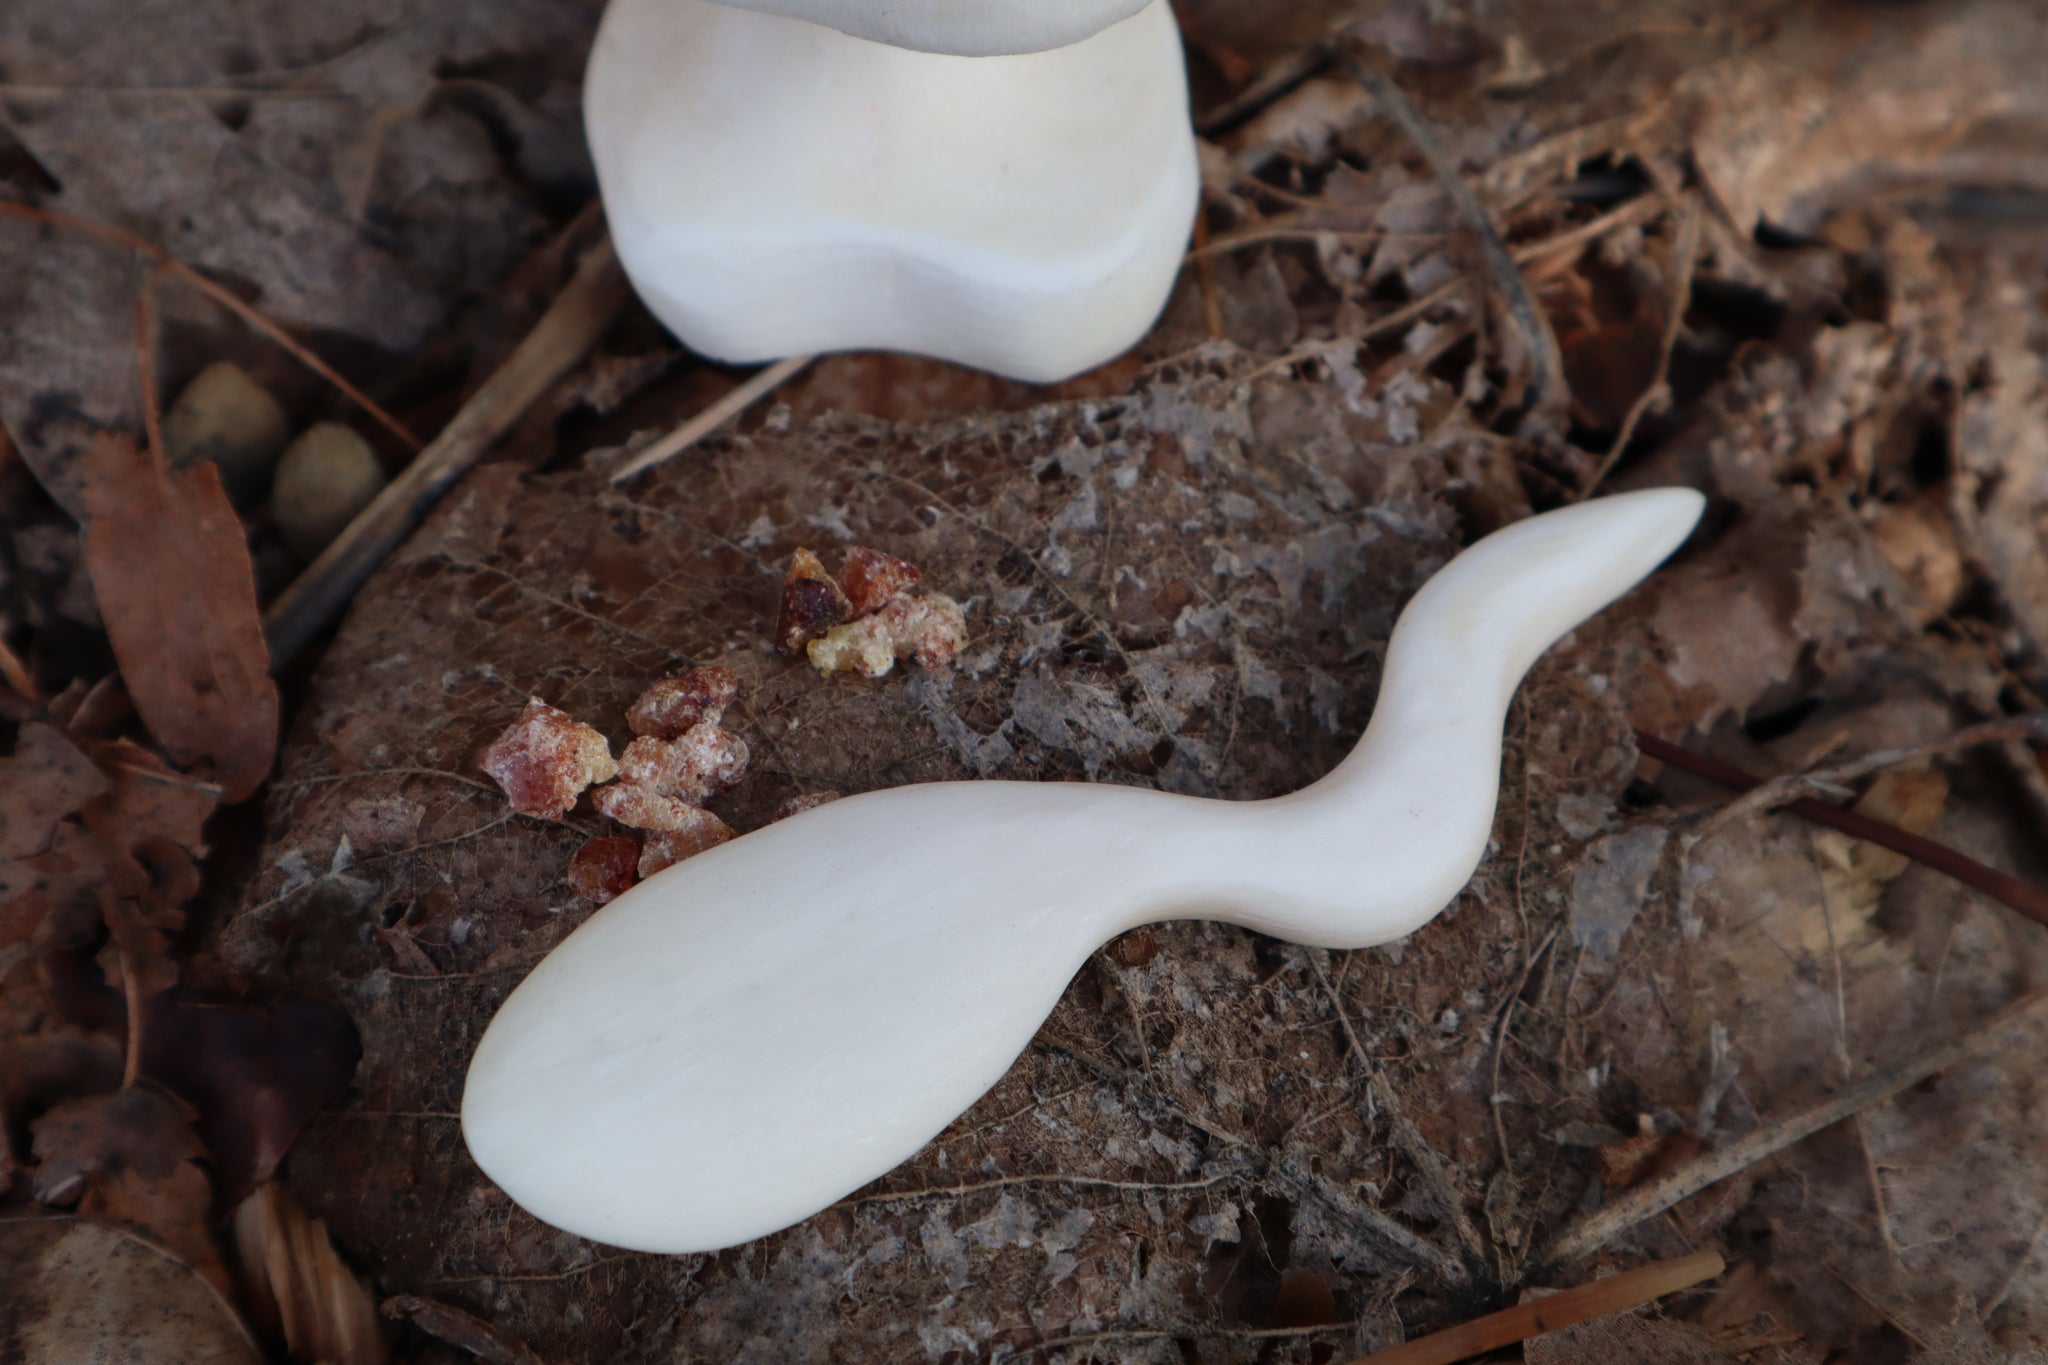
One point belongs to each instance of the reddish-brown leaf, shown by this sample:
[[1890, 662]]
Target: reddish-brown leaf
[[45, 780], [131, 1158], [40, 865], [152, 820], [171, 569]]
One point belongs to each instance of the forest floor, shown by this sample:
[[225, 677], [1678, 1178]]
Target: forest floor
[[254, 918]]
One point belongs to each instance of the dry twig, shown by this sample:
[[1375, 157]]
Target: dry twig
[[464, 1330], [1615, 1294], [2002, 887], [565, 333], [1649, 1200], [757, 386], [1780, 791], [166, 262], [1546, 383]]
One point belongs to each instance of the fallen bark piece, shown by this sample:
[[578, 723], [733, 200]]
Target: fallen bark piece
[[668, 708], [812, 604], [298, 1288], [665, 848], [704, 759], [545, 760]]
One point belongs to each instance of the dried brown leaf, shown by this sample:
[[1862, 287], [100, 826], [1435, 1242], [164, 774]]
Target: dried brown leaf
[[81, 1291], [131, 1158], [46, 780], [170, 566]]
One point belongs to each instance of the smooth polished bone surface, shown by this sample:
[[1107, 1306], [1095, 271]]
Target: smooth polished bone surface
[[754, 1033]]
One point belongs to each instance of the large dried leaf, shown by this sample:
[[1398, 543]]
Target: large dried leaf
[[46, 780], [171, 569], [359, 169], [78, 1291], [131, 1158]]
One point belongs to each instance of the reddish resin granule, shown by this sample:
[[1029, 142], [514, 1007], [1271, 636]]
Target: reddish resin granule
[[604, 869], [644, 808], [545, 760], [706, 758], [930, 629], [872, 580], [801, 802], [865, 647], [673, 705], [669, 847], [811, 604]]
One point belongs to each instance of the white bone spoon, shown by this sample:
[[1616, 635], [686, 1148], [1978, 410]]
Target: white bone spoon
[[745, 1038]]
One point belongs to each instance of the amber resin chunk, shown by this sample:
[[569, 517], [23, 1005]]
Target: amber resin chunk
[[644, 808], [930, 629], [706, 758], [666, 848], [812, 604], [605, 868], [872, 580], [865, 647], [672, 705], [545, 760]]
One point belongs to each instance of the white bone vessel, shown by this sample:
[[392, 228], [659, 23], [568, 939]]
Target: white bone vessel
[[761, 1030], [963, 28], [776, 188]]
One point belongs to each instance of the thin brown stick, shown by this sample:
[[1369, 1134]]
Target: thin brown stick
[[1647, 1201], [463, 1330], [1658, 392], [1997, 1301], [756, 387], [2002, 887], [1268, 86], [247, 314], [1205, 275], [15, 674], [573, 323], [1779, 791], [1615, 1294], [1573, 239], [1261, 236], [145, 367], [131, 994], [1546, 384]]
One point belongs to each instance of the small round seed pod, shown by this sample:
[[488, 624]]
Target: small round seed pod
[[327, 476], [225, 416]]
